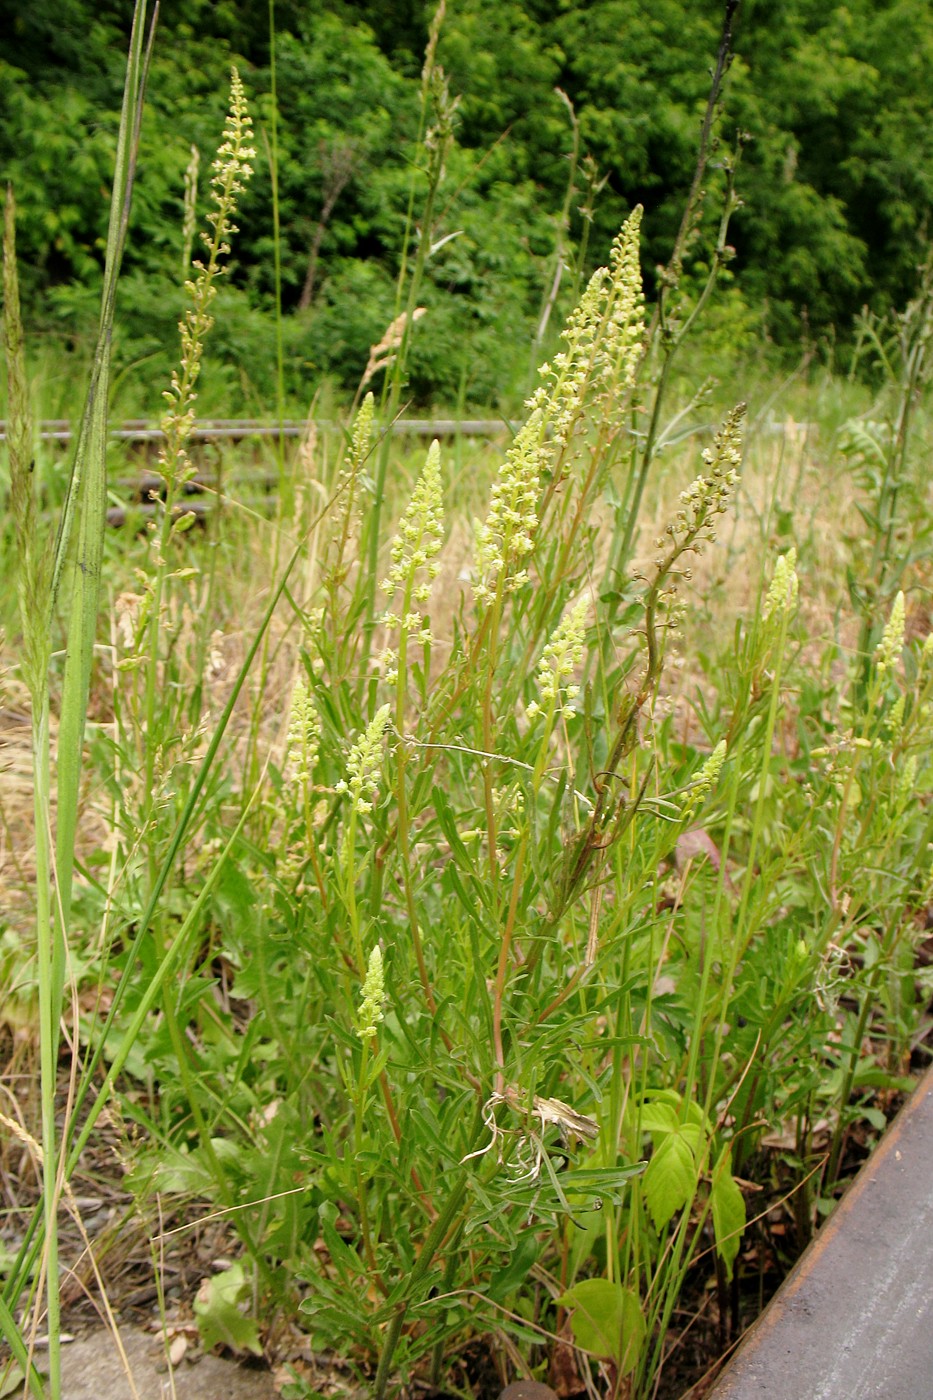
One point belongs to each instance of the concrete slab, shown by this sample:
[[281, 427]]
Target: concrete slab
[[854, 1319], [92, 1370]]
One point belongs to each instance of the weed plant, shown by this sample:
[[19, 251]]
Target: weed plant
[[471, 956]]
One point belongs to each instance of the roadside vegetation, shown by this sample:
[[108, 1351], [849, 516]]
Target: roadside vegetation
[[491, 878]]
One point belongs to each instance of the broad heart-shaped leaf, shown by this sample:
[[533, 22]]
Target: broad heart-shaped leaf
[[728, 1206], [670, 1178], [659, 1118], [664, 1112], [606, 1320], [217, 1309], [13, 1381]]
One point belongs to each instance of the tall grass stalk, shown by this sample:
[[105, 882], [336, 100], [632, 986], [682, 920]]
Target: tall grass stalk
[[901, 349], [33, 579], [672, 323], [435, 142], [286, 484], [74, 578]]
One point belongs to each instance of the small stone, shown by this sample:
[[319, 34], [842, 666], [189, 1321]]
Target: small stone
[[528, 1390]]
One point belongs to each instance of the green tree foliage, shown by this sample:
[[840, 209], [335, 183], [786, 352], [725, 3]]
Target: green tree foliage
[[837, 178]]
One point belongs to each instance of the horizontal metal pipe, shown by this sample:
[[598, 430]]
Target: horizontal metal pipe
[[237, 429], [215, 430]]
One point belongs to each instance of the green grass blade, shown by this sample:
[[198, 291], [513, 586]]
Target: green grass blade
[[14, 1341], [33, 1240], [77, 563]]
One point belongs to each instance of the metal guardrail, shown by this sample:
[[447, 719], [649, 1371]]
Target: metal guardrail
[[141, 430], [238, 429], [854, 1319]]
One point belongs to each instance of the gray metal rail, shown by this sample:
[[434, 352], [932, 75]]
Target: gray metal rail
[[854, 1320], [238, 429]]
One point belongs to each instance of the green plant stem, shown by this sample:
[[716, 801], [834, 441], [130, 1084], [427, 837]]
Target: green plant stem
[[435, 1238], [392, 387], [358, 1116], [671, 343], [47, 931], [349, 894], [741, 935]]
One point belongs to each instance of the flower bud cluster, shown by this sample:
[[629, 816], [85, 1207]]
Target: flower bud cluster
[[603, 338], [507, 537], [304, 734], [626, 331], [413, 554], [603, 341], [892, 639], [190, 206], [782, 592], [371, 1007], [709, 495], [231, 166], [362, 433], [231, 171], [706, 779], [894, 719], [364, 763], [559, 397], [559, 662], [347, 486]]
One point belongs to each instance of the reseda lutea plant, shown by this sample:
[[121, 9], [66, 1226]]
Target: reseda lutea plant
[[430, 980], [487, 872], [474, 1011]]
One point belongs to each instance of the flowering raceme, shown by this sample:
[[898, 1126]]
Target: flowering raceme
[[304, 734], [413, 553], [507, 538], [603, 342], [892, 639], [364, 763], [781, 597], [559, 661], [373, 997]]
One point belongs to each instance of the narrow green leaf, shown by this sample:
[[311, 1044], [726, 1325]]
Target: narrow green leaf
[[14, 1340], [77, 563], [32, 573]]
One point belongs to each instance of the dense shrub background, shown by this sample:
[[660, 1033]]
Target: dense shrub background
[[837, 179]]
